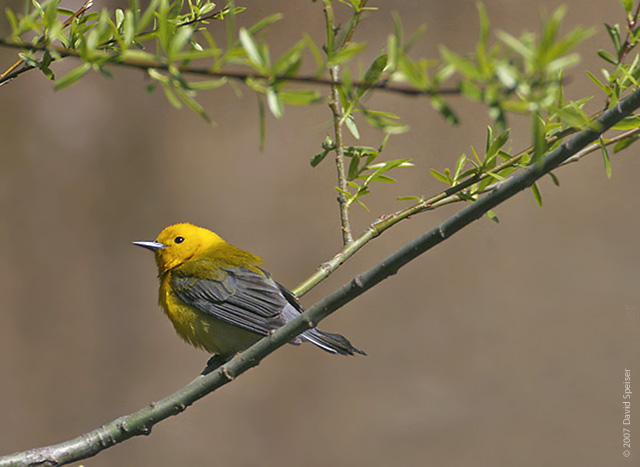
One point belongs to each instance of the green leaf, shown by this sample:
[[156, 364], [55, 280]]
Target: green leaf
[[73, 76], [444, 110], [13, 21], [614, 34], [625, 143], [393, 164], [351, 125], [628, 123], [517, 45], [441, 177], [383, 179], [48, 73], [413, 72], [492, 215], [415, 35], [344, 192], [129, 31], [372, 74], [536, 194], [38, 8], [119, 17], [171, 96], [317, 158], [347, 53], [463, 65], [178, 41], [263, 23], [299, 96], [252, 50], [628, 6], [274, 103], [494, 145], [378, 113], [290, 59], [598, 83], [496, 176], [192, 104], [484, 23], [574, 115], [315, 51], [139, 55], [147, 16], [462, 160], [209, 84], [605, 158], [354, 167], [386, 124], [603, 54]]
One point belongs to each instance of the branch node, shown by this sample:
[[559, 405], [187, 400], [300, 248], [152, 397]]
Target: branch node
[[123, 426], [326, 267], [227, 374]]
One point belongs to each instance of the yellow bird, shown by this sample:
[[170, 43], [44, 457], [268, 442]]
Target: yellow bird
[[219, 299]]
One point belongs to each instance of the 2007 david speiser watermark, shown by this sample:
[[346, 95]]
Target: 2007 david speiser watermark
[[626, 420]]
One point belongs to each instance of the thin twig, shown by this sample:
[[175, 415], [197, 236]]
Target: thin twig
[[335, 104], [446, 197], [631, 26], [336, 108], [13, 70], [115, 59], [596, 146]]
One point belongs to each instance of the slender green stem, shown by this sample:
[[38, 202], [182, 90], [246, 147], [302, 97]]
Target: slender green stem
[[335, 104], [357, 15], [446, 197], [336, 108]]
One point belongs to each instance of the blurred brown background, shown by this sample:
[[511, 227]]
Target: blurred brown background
[[504, 346]]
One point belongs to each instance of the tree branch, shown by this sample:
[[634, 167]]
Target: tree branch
[[141, 422], [114, 59], [385, 222], [15, 69]]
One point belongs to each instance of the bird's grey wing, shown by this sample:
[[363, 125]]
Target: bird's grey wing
[[238, 296]]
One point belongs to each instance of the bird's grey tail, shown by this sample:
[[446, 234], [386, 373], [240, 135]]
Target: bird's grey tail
[[332, 343]]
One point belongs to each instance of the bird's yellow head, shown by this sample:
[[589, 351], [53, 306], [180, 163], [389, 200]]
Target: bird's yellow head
[[179, 243]]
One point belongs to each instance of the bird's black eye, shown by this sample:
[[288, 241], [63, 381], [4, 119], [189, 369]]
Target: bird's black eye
[[178, 240]]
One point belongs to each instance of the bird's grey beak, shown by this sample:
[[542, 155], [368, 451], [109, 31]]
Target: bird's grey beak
[[153, 246]]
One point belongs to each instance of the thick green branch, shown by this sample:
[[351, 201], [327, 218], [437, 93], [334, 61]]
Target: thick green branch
[[142, 421]]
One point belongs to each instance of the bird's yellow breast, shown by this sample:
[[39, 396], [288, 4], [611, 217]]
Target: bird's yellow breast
[[200, 329]]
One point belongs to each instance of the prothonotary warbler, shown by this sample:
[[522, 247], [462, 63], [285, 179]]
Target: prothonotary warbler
[[219, 299]]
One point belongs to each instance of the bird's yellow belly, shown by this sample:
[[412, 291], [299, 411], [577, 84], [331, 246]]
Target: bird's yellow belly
[[205, 331]]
